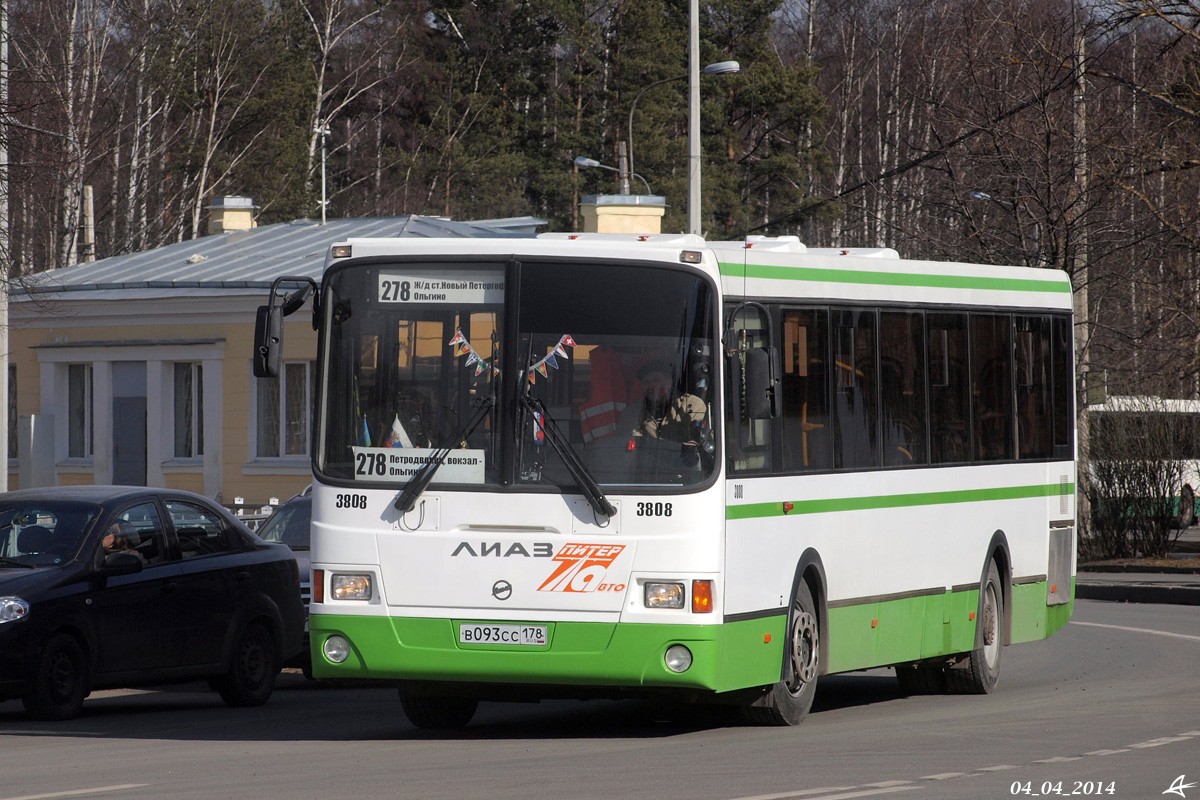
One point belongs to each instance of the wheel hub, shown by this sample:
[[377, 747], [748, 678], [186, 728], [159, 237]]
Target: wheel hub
[[805, 650]]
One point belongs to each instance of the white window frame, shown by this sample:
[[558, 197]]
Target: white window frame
[[298, 460]]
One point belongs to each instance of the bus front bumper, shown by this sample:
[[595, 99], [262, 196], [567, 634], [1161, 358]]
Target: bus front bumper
[[725, 656]]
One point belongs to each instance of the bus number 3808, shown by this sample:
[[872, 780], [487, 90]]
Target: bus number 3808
[[350, 501], [654, 509]]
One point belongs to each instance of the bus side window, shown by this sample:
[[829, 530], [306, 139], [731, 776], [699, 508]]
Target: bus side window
[[991, 387], [1033, 387], [1062, 370], [947, 359], [902, 383], [856, 404], [807, 440]]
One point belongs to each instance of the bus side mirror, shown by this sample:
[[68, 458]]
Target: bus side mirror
[[761, 379], [268, 341]]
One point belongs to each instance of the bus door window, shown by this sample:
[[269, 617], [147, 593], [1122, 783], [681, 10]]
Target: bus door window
[[948, 388], [902, 384], [991, 387], [856, 404], [749, 440], [807, 440], [1034, 416]]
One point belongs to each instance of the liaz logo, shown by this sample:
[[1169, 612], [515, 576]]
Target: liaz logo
[[496, 550], [582, 568]]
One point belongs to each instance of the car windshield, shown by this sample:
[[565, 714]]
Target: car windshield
[[614, 360], [34, 533], [289, 524]]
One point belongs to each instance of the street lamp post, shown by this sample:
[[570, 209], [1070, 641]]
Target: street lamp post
[[583, 162], [693, 206], [719, 68], [323, 131]]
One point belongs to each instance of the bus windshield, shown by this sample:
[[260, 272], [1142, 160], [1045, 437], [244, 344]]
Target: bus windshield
[[614, 361]]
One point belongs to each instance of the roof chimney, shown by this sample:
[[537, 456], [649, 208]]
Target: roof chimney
[[231, 213], [623, 213]]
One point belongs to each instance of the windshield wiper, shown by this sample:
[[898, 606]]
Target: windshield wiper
[[12, 562], [591, 490], [421, 478]]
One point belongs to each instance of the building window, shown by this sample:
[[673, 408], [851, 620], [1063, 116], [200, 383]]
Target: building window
[[283, 415], [189, 410], [79, 410]]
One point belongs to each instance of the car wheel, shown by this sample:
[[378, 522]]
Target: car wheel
[[788, 702], [253, 665], [438, 712], [61, 680]]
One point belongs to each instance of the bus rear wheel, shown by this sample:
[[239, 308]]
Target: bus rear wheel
[[788, 702], [438, 712], [979, 672]]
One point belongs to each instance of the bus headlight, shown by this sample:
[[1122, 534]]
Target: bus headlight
[[350, 587], [336, 649], [664, 595], [12, 609], [678, 658]]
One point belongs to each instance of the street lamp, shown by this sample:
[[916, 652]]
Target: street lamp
[[583, 162], [1011, 206], [719, 68]]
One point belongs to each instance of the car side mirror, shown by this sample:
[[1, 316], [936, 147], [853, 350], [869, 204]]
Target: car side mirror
[[122, 563]]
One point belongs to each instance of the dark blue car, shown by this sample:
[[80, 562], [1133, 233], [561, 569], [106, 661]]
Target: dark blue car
[[118, 586]]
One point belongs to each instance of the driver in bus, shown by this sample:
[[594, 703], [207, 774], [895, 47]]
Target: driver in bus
[[666, 413]]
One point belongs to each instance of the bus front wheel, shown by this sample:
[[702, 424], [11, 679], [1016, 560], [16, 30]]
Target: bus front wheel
[[788, 702], [437, 712]]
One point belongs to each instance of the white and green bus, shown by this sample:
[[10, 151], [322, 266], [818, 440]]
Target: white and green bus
[[859, 461]]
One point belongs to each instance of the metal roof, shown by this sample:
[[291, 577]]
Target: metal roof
[[255, 257]]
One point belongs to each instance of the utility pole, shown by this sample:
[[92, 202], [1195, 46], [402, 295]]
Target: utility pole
[[5, 243], [693, 206], [323, 132], [1077, 225]]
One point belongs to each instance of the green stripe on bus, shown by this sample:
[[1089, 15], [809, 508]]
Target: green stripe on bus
[[829, 505], [879, 278]]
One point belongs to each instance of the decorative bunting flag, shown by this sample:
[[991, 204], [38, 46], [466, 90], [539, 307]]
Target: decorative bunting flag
[[462, 347], [550, 360]]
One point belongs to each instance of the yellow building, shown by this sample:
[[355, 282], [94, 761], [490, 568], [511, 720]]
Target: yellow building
[[136, 369]]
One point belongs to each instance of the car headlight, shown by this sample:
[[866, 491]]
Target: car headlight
[[13, 609], [350, 587], [664, 595]]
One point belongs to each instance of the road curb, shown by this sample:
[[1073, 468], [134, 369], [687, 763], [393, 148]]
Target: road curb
[[1168, 595]]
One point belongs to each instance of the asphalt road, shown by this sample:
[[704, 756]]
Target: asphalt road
[[1109, 707]]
